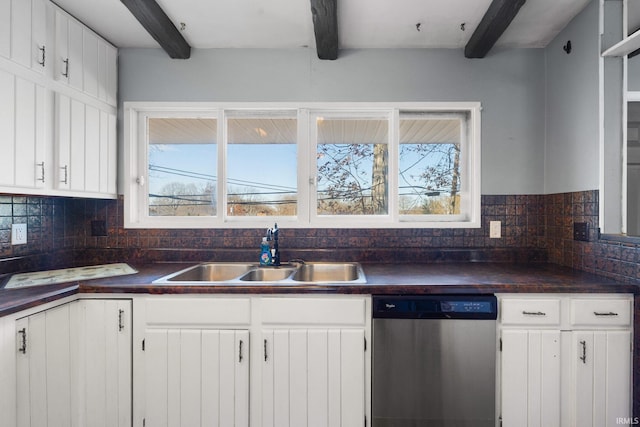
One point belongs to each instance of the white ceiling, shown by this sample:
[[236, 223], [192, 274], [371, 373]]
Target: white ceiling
[[361, 23]]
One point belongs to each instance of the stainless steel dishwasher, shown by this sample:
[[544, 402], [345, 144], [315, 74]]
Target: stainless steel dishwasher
[[434, 361]]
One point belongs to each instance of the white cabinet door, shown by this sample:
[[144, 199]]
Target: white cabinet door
[[86, 147], [103, 333], [313, 377], [107, 72], [23, 133], [7, 127], [196, 377], [21, 32], [90, 62], [8, 370], [530, 378], [601, 381], [69, 50], [44, 364], [84, 60], [30, 134], [27, 33], [39, 25], [70, 127]]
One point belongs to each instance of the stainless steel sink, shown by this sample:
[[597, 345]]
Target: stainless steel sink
[[268, 274], [232, 273], [328, 272], [209, 272]]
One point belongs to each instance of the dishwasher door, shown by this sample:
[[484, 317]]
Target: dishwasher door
[[434, 373]]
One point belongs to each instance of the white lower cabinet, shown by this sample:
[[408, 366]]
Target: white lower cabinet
[[601, 363], [73, 365], [313, 377], [196, 377], [530, 378], [260, 361], [565, 360], [102, 377]]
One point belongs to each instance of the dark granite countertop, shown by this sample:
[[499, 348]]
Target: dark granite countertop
[[381, 279]]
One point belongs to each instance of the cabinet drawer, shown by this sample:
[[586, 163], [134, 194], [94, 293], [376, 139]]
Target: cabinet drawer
[[198, 311], [314, 311], [530, 312], [600, 312]]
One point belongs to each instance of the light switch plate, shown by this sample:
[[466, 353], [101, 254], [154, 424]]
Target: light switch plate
[[18, 234], [494, 229]]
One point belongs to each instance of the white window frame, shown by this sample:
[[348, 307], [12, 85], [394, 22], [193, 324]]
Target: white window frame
[[136, 164]]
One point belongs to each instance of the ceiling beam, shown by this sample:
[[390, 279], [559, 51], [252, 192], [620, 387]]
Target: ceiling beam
[[497, 18], [325, 26], [160, 27]]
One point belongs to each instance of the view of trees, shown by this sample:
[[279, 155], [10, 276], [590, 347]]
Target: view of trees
[[352, 179]]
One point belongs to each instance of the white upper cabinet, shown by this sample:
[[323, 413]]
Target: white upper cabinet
[[23, 136], [85, 147], [24, 32], [85, 61], [58, 99]]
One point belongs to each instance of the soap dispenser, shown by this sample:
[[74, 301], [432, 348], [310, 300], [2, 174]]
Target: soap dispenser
[[265, 252]]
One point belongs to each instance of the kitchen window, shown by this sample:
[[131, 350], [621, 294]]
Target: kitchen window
[[373, 165]]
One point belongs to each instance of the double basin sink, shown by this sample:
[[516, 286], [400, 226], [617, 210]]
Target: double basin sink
[[237, 273]]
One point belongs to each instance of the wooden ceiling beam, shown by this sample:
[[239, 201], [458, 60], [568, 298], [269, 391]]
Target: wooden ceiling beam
[[497, 18], [325, 27], [160, 27]]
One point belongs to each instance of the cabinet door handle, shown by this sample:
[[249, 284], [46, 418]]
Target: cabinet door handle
[[23, 346], [534, 313], [65, 73], [120, 320], [600, 313], [42, 59], [41, 166], [240, 356], [584, 351], [65, 180], [265, 350]]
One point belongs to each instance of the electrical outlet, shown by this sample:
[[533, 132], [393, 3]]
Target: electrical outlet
[[18, 234], [581, 231], [494, 229]]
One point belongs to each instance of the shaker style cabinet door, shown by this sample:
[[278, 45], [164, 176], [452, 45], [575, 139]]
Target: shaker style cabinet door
[[313, 377], [196, 377]]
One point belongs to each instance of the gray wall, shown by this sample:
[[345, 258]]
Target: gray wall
[[633, 74], [509, 83], [572, 141]]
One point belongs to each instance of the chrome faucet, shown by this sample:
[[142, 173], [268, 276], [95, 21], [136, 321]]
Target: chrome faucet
[[272, 234]]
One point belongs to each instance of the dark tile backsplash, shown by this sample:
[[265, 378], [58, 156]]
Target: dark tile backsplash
[[535, 228]]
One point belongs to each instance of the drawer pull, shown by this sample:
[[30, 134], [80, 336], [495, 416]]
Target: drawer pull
[[534, 313], [610, 313]]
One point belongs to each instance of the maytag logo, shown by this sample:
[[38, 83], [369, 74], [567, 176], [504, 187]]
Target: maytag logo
[[628, 421]]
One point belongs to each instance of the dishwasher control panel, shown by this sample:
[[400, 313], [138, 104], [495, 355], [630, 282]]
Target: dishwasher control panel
[[436, 307]]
